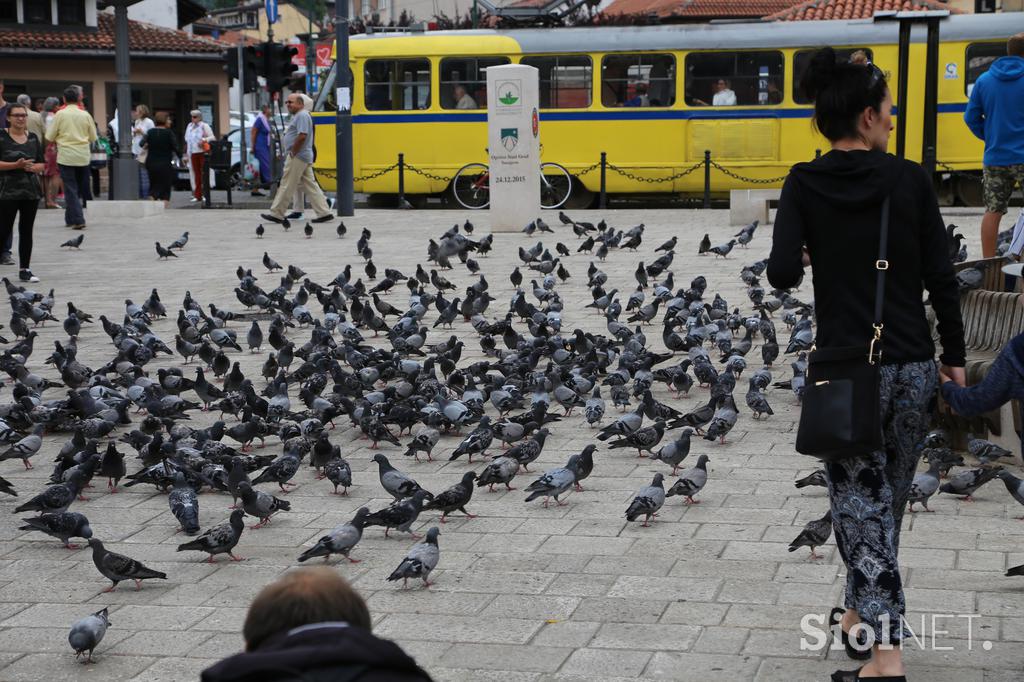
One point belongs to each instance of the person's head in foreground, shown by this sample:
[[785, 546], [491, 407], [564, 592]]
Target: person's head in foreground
[[312, 625]]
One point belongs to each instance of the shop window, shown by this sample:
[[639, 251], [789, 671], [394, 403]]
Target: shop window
[[38, 12], [724, 79], [979, 58], [565, 80], [803, 59], [464, 81], [71, 12], [397, 84], [638, 80]]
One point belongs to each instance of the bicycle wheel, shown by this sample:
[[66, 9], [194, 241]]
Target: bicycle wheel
[[555, 185], [471, 186]]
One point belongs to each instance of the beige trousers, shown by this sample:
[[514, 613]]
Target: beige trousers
[[299, 175]]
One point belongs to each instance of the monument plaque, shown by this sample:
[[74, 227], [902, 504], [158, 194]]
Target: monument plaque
[[513, 140]]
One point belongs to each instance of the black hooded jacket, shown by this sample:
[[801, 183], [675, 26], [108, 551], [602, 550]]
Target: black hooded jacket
[[833, 206], [321, 652]]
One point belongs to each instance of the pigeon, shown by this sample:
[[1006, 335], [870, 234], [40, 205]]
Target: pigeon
[[61, 525], [87, 633], [260, 231], [815, 478], [424, 441], [260, 504], [56, 498], [339, 540], [924, 485], [308, 231], [338, 472], [815, 534], [400, 515], [477, 442], [593, 409], [161, 252], [967, 482], [396, 483], [530, 449], [675, 452], [7, 487], [219, 539], [184, 504], [722, 250], [1014, 486], [270, 264], [180, 242], [723, 420], [420, 561], [555, 482], [500, 470], [117, 567], [986, 451], [692, 481], [74, 243], [26, 447], [648, 501], [644, 439], [455, 497]]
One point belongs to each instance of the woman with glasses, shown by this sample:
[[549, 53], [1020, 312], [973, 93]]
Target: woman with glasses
[[21, 162], [198, 136]]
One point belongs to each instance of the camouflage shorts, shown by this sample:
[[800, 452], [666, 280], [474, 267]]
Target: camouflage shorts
[[998, 184]]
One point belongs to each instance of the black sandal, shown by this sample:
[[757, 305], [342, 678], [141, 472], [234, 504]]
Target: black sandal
[[854, 676], [859, 654]]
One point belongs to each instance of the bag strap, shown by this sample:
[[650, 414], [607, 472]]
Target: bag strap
[[881, 265]]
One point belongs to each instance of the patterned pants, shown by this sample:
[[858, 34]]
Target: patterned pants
[[869, 493]]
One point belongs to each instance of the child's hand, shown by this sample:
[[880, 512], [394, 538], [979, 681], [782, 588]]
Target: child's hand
[[954, 374]]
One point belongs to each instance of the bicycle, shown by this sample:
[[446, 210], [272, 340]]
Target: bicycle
[[471, 185]]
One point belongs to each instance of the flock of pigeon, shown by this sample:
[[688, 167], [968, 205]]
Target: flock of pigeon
[[343, 355]]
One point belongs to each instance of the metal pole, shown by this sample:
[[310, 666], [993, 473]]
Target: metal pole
[[241, 108], [126, 173], [931, 91], [309, 50], [401, 181], [902, 103], [344, 201], [603, 203], [707, 178]]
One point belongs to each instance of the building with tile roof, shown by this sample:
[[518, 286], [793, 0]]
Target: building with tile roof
[[697, 10], [821, 10]]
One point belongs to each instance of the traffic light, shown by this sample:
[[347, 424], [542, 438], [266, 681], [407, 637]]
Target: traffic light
[[252, 63], [279, 67]]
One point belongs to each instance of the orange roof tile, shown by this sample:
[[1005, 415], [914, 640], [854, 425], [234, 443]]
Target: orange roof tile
[[817, 10], [699, 9], [142, 38]]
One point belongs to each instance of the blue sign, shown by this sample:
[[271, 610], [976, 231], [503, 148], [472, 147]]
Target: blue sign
[[271, 6]]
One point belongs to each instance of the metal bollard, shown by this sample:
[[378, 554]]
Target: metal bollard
[[707, 178], [603, 201], [402, 203]]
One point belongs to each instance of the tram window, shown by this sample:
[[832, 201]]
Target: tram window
[[803, 58], [638, 80], [565, 81], [733, 78], [979, 58], [467, 77], [397, 84], [326, 99]]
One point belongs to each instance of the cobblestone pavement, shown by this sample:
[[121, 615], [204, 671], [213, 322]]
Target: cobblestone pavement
[[523, 592]]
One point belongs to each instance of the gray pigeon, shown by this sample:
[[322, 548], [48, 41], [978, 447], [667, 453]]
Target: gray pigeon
[[455, 497], [648, 501], [399, 485], [815, 534], [56, 498], [260, 504], [339, 540], [723, 420], [400, 515], [500, 470], [986, 451], [1014, 485], [424, 441], [87, 633], [815, 478], [62, 525], [675, 452], [26, 447], [184, 504], [966, 483], [420, 561], [555, 482], [219, 539], [117, 567], [593, 410], [924, 485], [692, 481]]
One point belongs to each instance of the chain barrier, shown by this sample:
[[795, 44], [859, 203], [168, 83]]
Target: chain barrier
[[429, 176], [956, 173], [743, 178], [671, 178], [592, 167], [327, 173]]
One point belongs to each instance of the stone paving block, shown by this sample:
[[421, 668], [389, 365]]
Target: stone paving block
[[159, 643], [174, 670], [806, 573], [976, 560], [505, 657], [696, 667], [667, 588], [464, 675], [630, 565], [765, 642], [699, 567], [60, 667], [393, 601], [445, 628], [809, 594], [634, 636], [541, 607], [721, 640], [566, 633], [223, 619], [600, 662], [52, 639], [611, 609], [522, 582], [749, 592], [695, 613]]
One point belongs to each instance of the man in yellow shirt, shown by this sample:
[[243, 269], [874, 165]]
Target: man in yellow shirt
[[73, 129]]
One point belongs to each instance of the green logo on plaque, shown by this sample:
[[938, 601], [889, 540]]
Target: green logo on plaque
[[508, 98], [509, 138]]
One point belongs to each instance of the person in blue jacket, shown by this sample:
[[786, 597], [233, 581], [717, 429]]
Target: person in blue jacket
[[995, 114], [261, 148]]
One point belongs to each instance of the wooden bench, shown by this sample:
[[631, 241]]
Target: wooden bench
[[748, 205], [991, 318]]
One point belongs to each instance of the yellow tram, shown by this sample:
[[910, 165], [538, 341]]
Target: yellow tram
[[651, 98]]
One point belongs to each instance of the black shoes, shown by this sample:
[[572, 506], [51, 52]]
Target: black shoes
[[27, 276], [860, 653], [274, 219], [854, 676], [323, 219]]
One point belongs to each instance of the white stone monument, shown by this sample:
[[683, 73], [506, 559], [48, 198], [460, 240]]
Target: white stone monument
[[513, 142]]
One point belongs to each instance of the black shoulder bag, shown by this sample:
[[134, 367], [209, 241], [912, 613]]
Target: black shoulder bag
[[841, 417]]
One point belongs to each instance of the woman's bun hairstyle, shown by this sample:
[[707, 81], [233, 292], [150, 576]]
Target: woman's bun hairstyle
[[841, 90]]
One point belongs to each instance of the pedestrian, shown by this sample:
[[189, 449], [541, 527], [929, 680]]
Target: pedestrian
[[52, 185], [73, 129], [995, 115], [311, 625], [4, 105], [198, 136], [161, 150], [829, 217], [261, 148], [35, 120], [21, 162], [299, 202], [298, 167], [141, 124]]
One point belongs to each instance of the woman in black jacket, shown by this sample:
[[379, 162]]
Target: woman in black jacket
[[21, 162], [829, 217], [161, 150]]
